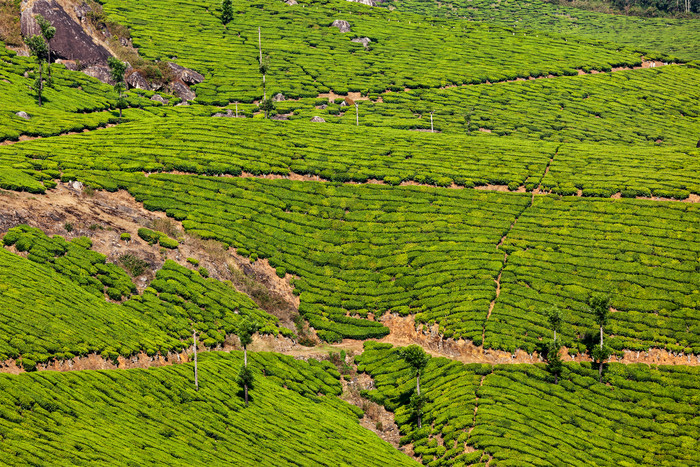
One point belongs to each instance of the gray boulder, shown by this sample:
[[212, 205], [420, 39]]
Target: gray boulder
[[291, 2], [365, 41], [279, 97], [365, 2], [186, 75], [23, 114], [318, 119], [343, 26], [159, 98], [182, 91], [100, 72], [136, 80]]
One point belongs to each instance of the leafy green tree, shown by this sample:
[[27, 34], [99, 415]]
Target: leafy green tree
[[47, 32], [416, 357], [245, 379], [267, 106], [555, 318], [600, 306], [39, 49], [246, 330], [117, 69], [416, 405], [226, 12], [554, 362]]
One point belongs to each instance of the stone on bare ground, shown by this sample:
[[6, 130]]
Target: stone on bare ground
[[343, 26]]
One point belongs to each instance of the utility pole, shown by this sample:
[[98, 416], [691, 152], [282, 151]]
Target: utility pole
[[196, 376]]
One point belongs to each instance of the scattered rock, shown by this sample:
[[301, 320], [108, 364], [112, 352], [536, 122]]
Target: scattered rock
[[318, 119], [343, 104], [71, 42], [182, 91], [23, 114], [69, 64], [343, 26], [322, 106], [362, 40], [136, 80], [159, 98], [229, 114], [291, 2], [365, 2], [279, 97], [186, 75], [100, 72], [75, 185]]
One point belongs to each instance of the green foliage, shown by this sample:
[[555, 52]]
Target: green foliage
[[168, 242], [600, 306], [523, 419], [151, 236], [103, 417], [204, 272], [246, 330], [125, 236], [554, 361], [555, 317], [415, 356], [63, 286], [134, 265], [226, 12]]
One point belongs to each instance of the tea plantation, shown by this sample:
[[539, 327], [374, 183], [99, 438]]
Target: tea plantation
[[515, 415], [470, 167], [155, 417]]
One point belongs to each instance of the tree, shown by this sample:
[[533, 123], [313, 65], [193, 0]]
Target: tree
[[245, 334], [554, 363], [555, 318], [226, 12], [196, 375], [416, 357], [264, 64], [416, 405], [600, 306], [267, 106], [117, 69], [47, 32], [245, 379], [39, 49]]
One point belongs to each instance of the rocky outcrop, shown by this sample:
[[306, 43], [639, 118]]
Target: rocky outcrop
[[291, 2], [23, 114], [343, 26], [100, 72], [182, 91], [279, 97], [136, 80], [159, 98], [185, 75], [365, 41], [318, 119], [366, 2], [71, 42]]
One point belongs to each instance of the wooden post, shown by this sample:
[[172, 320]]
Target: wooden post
[[196, 376]]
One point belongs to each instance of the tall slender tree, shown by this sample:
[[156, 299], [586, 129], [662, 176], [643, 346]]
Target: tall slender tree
[[117, 69], [226, 11], [554, 363], [416, 357], [39, 49], [245, 379], [196, 374], [47, 32], [264, 63], [600, 306], [246, 330]]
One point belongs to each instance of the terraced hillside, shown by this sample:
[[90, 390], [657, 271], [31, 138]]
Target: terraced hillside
[[422, 179]]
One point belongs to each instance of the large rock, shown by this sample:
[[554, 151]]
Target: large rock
[[343, 26], [365, 2], [159, 98], [318, 119], [100, 72], [362, 40], [279, 97], [136, 80], [23, 114], [182, 91], [186, 75], [71, 42]]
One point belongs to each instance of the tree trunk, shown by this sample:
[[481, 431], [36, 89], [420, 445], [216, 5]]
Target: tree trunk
[[600, 371], [555, 335], [41, 82], [418, 383], [48, 63], [261, 63], [245, 394], [357, 114], [120, 105], [196, 376], [601, 338], [245, 356], [431, 123]]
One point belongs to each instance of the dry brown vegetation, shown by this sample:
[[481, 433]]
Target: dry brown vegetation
[[10, 32]]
